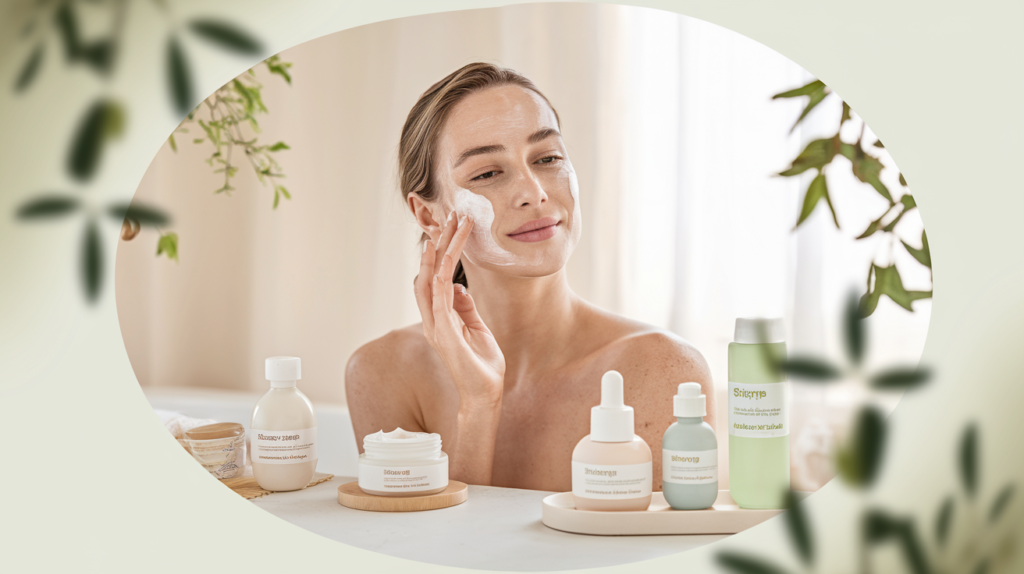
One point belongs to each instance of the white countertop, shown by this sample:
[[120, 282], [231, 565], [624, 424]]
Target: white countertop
[[496, 529]]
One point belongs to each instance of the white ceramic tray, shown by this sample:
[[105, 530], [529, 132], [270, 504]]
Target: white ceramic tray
[[725, 517]]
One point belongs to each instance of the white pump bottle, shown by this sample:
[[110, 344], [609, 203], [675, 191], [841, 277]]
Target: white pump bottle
[[282, 434]]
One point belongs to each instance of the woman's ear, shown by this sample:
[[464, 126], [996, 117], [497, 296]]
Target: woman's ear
[[425, 217]]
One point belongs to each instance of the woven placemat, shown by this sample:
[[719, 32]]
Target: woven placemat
[[247, 487]]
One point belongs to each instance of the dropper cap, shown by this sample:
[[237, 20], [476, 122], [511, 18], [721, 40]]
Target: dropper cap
[[282, 372], [612, 420], [689, 402]]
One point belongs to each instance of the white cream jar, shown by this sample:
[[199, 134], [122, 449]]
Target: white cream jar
[[402, 463]]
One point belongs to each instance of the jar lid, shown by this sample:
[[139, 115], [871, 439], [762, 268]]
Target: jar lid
[[215, 431]]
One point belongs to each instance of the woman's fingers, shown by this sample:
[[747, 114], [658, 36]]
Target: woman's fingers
[[465, 226], [445, 329], [422, 287], [466, 308], [447, 232]]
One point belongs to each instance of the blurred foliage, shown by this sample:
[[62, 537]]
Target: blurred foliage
[[969, 536], [104, 120], [881, 279], [984, 545]]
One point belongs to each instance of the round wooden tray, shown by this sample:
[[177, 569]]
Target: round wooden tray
[[349, 495]]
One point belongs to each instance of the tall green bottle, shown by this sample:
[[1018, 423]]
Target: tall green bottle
[[758, 415]]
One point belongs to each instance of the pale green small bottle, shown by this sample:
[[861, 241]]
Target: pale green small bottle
[[758, 415], [689, 453]]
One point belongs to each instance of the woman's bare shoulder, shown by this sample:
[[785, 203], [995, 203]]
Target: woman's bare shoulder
[[389, 357], [636, 348]]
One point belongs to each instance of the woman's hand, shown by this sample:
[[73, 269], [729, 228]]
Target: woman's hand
[[454, 329], [451, 323]]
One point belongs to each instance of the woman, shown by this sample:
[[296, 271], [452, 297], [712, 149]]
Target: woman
[[507, 362]]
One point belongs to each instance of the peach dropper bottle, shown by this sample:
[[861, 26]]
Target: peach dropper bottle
[[611, 467]]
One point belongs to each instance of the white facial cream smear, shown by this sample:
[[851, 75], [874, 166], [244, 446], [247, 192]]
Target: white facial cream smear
[[402, 463], [484, 248], [577, 219]]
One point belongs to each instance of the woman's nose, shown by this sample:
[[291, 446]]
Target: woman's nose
[[529, 191]]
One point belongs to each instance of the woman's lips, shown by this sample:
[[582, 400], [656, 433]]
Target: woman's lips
[[536, 230]]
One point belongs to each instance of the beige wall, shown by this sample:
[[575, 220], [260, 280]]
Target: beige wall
[[333, 268]]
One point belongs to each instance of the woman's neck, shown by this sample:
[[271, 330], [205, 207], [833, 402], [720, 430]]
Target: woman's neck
[[529, 317]]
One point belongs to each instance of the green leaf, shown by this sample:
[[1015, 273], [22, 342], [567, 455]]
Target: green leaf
[[846, 114], [982, 567], [903, 181], [179, 77], [878, 143], [908, 202], [91, 262], [799, 529], [145, 215], [816, 155], [943, 521], [810, 368], [869, 300], [888, 282], [969, 459], [866, 168], [861, 458], [174, 145], [806, 90], [47, 206], [281, 71], [912, 550], [923, 255], [816, 92], [30, 69], [226, 35], [246, 94], [746, 564], [168, 243], [113, 120], [854, 330], [99, 55], [814, 100], [277, 197], [68, 27], [284, 192], [279, 146], [880, 526], [901, 378], [815, 192], [1000, 503], [873, 227], [88, 142]]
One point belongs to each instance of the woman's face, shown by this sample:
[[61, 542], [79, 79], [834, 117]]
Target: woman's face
[[501, 160]]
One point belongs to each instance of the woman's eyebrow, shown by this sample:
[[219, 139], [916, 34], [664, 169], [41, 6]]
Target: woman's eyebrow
[[478, 151], [537, 136], [542, 134]]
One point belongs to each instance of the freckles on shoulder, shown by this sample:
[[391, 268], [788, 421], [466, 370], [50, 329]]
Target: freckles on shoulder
[[653, 363]]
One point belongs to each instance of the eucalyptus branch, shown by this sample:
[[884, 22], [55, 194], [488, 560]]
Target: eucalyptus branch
[[817, 155]]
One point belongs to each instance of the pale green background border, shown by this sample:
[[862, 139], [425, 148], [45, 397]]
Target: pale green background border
[[939, 82]]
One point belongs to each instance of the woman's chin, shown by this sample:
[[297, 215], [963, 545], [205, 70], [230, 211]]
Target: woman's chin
[[536, 260]]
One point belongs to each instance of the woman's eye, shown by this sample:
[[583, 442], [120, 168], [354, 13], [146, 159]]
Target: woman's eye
[[549, 159], [486, 175]]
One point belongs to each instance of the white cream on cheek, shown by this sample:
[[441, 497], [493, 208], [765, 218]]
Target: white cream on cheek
[[481, 246], [577, 219]]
